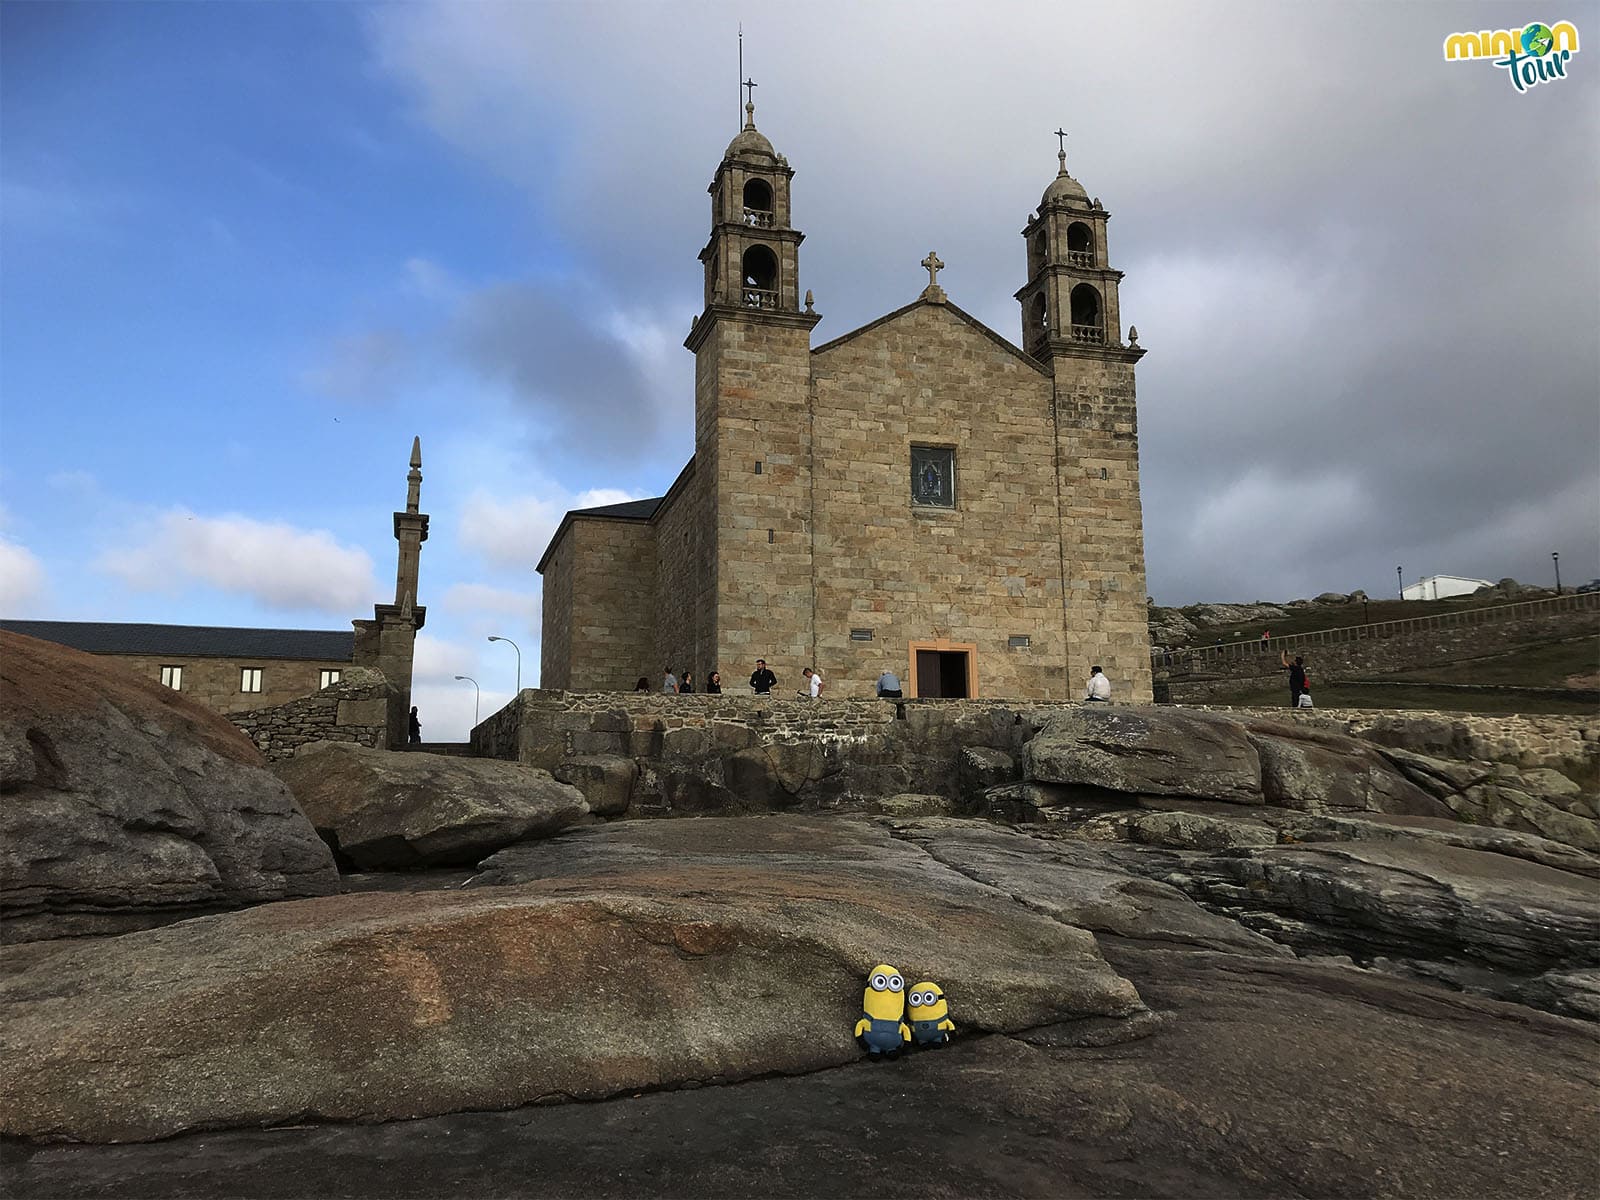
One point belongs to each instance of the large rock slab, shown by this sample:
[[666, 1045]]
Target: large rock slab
[[612, 959], [1146, 751], [382, 809], [123, 804]]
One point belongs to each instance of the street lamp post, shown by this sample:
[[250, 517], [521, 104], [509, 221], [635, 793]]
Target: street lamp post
[[518, 649], [1555, 557], [477, 695], [1401, 580]]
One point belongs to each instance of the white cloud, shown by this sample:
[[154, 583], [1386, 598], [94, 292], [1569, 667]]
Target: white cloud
[[273, 563], [513, 531], [22, 579], [365, 368], [482, 599]]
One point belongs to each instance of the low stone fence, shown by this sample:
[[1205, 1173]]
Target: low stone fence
[[690, 754], [356, 709]]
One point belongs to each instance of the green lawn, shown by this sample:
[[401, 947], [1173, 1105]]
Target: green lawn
[[1550, 665], [1421, 696], [1310, 620]]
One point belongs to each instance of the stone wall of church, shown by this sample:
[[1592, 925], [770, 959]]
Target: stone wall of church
[[555, 632], [756, 381], [679, 638], [984, 572], [1102, 526], [609, 626]]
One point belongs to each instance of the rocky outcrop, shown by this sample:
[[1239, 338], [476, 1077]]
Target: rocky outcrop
[[613, 959], [380, 809], [123, 804], [1146, 752]]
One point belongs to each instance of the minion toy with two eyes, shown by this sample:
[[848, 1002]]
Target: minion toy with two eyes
[[930, 1016], [882, 1029]]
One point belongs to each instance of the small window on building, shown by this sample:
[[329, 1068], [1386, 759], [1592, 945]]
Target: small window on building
[[861, 635], [172, 677], [329, 678], [250, 679], [933, 476], [1019, 641]]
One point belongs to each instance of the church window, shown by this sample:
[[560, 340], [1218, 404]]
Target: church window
[[758, 203], [1080, 245], [933, 476], [172, 677], [1086, 325], [760, 278], [250, 679], [1037, 253], [329, 678]]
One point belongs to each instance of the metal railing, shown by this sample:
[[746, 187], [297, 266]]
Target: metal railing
[[760, 298], [1187, 657], [1089, 333]]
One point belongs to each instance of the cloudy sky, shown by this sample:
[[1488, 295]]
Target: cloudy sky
[[249, 250]]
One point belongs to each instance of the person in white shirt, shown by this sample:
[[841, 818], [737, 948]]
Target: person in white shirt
[[1099, 688], [815, 678]]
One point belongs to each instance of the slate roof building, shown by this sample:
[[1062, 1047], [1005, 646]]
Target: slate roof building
[[921, 493], [232, 670]]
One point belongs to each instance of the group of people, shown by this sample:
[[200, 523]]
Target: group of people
[[762, 681]]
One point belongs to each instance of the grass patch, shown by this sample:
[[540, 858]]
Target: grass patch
[[1338, 616], [1420, 696], [1548, 665]]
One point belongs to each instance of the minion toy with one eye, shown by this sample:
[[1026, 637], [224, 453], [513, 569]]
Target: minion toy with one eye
[[930, 1015], [882, 1029]]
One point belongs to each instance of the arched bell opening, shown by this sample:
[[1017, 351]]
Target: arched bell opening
[[1038, 247], [1038, 323], [760, 267], [758, 203], [1086, 321], [1080, 245]]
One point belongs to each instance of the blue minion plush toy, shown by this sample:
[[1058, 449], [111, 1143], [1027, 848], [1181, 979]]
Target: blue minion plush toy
[[882, 1029], [930, 1015]]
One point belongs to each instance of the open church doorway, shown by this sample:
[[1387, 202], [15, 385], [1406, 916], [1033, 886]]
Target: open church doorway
[[944, 670]]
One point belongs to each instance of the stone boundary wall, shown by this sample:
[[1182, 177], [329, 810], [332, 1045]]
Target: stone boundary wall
[[1188, 680], [356, 709], [688, 754]]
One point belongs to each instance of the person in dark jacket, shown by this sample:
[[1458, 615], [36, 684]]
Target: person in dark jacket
[[686, 684], [414, 728], [1297, 676], [714, 684], [762, 681]]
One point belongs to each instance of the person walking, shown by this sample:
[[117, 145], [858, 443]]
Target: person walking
[[714, 684], [686, 684], [762, 681], [1098, 689], [814, 680], [413, 729], [669, 682], [1297, 676]]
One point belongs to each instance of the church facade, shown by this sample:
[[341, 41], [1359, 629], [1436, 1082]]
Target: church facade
[[920, 494]]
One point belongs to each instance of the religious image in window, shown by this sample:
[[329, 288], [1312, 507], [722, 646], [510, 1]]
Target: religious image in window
[[933, 476]]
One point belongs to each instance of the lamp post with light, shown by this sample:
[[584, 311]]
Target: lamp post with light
[[1401, 580], [1555, 557], [518, 649], [477, 695]]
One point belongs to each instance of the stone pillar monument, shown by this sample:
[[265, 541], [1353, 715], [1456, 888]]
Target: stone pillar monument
[[388, 641]]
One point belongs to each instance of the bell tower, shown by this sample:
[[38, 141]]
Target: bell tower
[[1072, 323], [752, 456]]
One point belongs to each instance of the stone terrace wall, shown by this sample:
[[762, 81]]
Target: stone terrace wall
[[356, 709], [719, 753], [1213, 680]]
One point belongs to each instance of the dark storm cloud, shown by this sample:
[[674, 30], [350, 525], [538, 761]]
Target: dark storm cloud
[[1367, 278]]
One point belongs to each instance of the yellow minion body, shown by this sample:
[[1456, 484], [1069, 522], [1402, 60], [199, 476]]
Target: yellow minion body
[[929, 1014], [882, 1028]]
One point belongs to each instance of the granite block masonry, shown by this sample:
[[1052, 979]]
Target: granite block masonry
[[920, 494]]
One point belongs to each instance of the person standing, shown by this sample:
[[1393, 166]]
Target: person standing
[[1297, 676], [669, 682], [413, 729], [814, 680], [888, 685], [714, 684], [1099, 687], [686, 684], [762, 681]]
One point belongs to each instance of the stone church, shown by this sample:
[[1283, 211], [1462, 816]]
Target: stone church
[[920, 494]]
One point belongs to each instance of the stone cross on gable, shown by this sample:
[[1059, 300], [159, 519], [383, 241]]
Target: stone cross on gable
[[933, 266], [1061, 137]]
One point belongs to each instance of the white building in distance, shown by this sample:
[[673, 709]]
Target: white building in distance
[[1441, 587]]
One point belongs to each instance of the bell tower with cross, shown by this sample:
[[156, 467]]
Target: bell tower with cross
[[1072, 324], [751, 469]]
